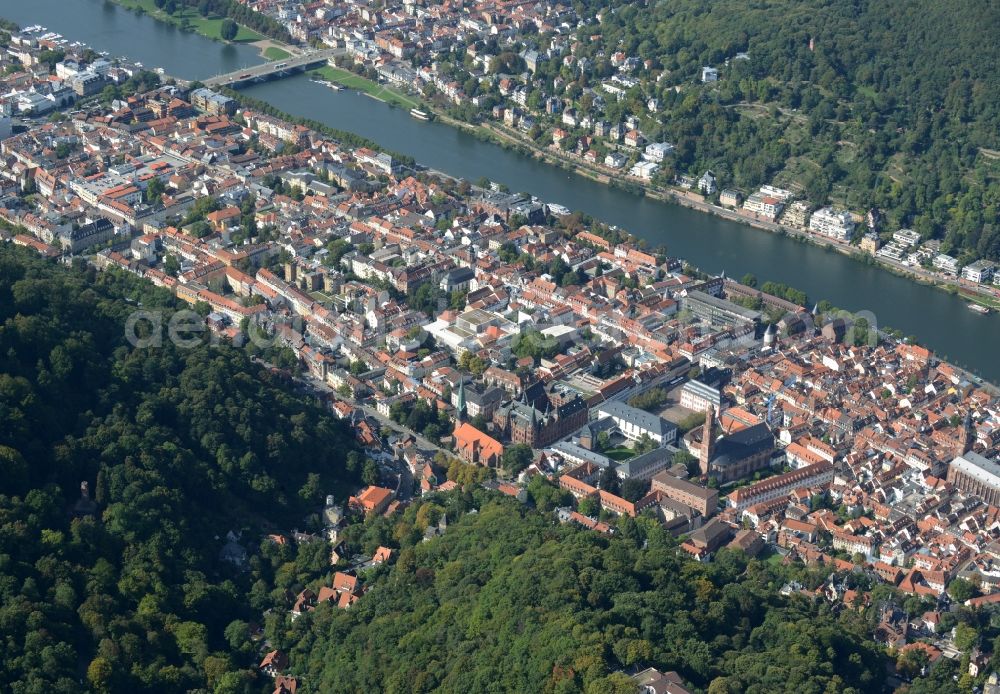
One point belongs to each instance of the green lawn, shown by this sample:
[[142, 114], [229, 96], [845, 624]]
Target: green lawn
[[275, 53], [188, 18], [619, 453], [379, 91], [771, 556]]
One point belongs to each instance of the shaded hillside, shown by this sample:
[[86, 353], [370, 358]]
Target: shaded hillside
[[507, 601], [861, 102], [178, 447]]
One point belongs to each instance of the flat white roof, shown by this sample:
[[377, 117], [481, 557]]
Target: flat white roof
[[978, 467]]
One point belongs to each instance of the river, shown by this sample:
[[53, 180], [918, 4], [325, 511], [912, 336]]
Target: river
[[939, 320]]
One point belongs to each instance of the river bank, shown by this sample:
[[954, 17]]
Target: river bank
[[970, 292], [381, 92], [967, 292], [188, 19]]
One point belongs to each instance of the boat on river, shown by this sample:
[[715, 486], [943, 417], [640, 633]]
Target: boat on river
[[332, 85], [419, 115], [979, 308]]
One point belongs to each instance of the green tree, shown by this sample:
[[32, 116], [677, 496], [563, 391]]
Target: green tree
[[100, 673], [516, 458], [228, 29], [965, 637], [687, 460], [650, 400], [634, 489], [961, 590], [312, 491], [369, 474], [588, 506], [603, 441]]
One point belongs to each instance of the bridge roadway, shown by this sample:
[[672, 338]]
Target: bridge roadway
[[274, 67]]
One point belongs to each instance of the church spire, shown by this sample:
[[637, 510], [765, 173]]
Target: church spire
[[460, 402], [967, 436]]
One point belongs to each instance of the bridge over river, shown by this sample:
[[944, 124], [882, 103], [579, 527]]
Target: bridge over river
[[265, 71]]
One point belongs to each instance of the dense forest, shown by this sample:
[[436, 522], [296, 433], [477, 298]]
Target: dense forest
[[507, 600], [863, 103], [178, 447]]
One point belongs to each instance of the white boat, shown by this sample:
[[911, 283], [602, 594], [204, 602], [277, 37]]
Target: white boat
[[419, 115], [558, 210], [979, 308], [335, 87]]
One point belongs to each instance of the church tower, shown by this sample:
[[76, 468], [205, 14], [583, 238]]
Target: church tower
[[707, 441], [460, 402], [966, 437]]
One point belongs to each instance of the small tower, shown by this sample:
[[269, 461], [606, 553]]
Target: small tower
[[770, 335], [460, 402], [707, 441], [966, 437], [85, 506]]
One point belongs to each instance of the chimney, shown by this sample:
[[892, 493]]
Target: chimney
[[707, 441]]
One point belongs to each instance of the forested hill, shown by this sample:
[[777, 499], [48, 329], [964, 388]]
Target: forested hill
[[178, 447], [507, 601], [894, 104]]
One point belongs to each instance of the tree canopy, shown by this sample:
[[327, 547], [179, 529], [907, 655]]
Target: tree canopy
[[178, 448], [505, 601]]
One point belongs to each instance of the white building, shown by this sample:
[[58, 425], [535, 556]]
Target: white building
[[835, 224], [709, 74], [697, 396], [979, 271], [657, 151], [644, 170], [615, 160], [774, 192], [945, 263], [634, 423], [706, 184], [67, 69], [764, 205], [906, 237], [893, 251]]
